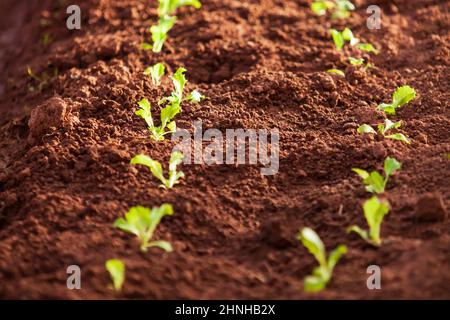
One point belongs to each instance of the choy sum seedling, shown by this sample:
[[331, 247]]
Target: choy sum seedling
[[401, 96], [156, 168], [322, 274], [384, 129], [374, 212], [341, 8], [374, 181], [340, 38], [156, 72], [142, 222], [116, 269]]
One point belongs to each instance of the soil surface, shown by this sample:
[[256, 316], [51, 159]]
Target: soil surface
[[67, 139]]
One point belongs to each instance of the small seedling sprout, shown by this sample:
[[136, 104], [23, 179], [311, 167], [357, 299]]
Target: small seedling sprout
[[336, 71], [156, 72], [142, 222], [401, 96], [374, 212], [340, 38], [341, 8], [374, 181], [383, 129], [322, 274], [116, 269], [156, 168]]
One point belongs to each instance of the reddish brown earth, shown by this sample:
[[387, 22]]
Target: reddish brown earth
[[65, 149]]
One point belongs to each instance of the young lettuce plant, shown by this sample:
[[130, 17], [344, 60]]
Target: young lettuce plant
[[166, 22], [142, 222], [401, 96], [383, 129], [374, 181], [374, 212], [340, 38], [322, 274], [358, 62], [337, 72], [367, 47], [179, 81], [156, 168], [341, 8], [156, 72], [167, 126], [116, 269]]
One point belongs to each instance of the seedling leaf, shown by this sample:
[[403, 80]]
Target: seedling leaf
[[336, 71], [368, 48], [116, 269]]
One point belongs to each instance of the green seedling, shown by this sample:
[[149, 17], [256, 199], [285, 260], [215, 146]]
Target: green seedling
[[156, 168], [142, 222], [156, 72], [159, 33], [383, 129], [322, 274], [168, 7], [43, 80], [374, 212], [374, 181], [401, 96], [336, 71], [356, 62], [341, 8], [116, 269], [167, 126], [367, 47], [172, 108], [340, 38]]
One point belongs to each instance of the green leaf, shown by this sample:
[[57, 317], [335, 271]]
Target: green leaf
[[361, 232], [375, 183], [169, 112], [362, 173], [402, 96], [145, 112], [387, 108], [336, 71], [157, 72], [312, 242], [337, 38], [399, 137], [391, 165], [389, 125], [320, 7], [179, 81], [374, 212], [154, 166], [116, 269], [146, 46], [335, 256], [355, 62], [159, 32], [347, 35], [166, 246], [365, 128], [368, 48]]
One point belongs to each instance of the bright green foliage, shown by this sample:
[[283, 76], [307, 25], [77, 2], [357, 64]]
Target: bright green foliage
[[159, 33], [384, 128], [179, 81], [322, 274], [368, 48], [142, 222], [116, 269], [374, 212], [336, 71], [156, 72], [374, 181], [340, 38], [168, 7], [156, 168], [356, 62], [341, 8], [401, 96], [320, 7], [167, 126]]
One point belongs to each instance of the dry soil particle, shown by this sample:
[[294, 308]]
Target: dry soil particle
[[261, 64]]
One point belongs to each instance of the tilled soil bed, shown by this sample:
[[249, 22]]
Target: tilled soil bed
[[67, 140]]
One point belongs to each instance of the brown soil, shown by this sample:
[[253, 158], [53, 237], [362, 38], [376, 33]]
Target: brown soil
[[65, 149]]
